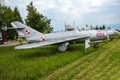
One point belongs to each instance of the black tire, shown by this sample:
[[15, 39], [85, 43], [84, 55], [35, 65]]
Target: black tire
[[95, 46]]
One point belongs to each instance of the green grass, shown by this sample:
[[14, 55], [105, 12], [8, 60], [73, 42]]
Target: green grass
[[48, 63], [102, 64], [33, 64]]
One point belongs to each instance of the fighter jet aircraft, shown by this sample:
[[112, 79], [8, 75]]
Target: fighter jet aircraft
[[36, 39]]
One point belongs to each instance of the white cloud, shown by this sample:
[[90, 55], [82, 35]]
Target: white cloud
[[83, 11], [44, 4]]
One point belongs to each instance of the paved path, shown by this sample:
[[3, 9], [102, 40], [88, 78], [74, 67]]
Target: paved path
[[9, 43]]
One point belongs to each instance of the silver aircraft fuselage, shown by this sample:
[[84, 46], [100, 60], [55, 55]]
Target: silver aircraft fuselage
[[94, 35], [70, 35]]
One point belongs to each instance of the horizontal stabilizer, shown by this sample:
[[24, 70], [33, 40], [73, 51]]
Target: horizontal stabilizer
[[15, 26]]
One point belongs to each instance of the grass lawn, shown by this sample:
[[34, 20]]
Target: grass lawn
[[48, 63], [101, 64], [33, 64]]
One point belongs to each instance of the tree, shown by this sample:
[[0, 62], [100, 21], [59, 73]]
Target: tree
[[16, 14], [6, 17], [86, 25], [91, 28], [100, 28], [96, 28], [103, 27], [37, 21], [2, 8]]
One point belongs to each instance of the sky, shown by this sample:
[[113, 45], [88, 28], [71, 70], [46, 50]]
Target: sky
[[73, 12]]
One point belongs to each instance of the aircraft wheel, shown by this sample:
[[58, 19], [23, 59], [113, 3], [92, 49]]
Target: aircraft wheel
[[95, 45], [111, 38]]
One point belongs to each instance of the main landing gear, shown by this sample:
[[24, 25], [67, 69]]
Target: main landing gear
[[95, 45], [63, 47]]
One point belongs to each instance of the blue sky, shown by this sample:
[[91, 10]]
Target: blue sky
[[81, 12]]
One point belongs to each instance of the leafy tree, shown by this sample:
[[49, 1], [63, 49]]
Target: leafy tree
[[96, 28], [91, 27], [100, 28], [16, 14], [37, 21], [86, 25], [15, 17], [2, 8], [7, 16], [103, 27]]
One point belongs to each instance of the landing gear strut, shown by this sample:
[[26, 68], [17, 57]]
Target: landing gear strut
[[63, 47]]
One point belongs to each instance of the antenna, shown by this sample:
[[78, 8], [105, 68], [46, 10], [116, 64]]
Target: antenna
[[74, 23]]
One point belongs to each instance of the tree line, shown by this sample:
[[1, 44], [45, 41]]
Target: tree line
[[103, 27], [33, 19]]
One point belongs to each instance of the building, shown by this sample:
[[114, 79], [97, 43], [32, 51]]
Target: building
[[2, 2]]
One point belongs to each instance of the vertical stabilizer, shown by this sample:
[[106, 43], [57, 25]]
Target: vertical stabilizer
[[23, 30]]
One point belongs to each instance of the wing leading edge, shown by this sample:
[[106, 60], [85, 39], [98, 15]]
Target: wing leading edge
[[40, 44]]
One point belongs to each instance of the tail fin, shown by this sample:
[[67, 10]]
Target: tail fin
[[23, 30]]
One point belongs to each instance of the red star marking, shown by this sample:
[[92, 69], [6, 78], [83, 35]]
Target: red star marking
[[100, 35], [27, 32], [42, 38]]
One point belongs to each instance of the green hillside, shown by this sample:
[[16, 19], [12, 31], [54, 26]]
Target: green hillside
[[49, 64]]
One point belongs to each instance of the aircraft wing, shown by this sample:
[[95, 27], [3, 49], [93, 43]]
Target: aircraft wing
[[39, 44]]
